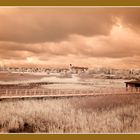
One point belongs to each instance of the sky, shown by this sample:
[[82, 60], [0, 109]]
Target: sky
[[56, 37]]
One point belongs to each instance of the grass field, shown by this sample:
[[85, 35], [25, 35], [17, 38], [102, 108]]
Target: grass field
[[108, 114], [102, 114], [10, 77], [17, 84]]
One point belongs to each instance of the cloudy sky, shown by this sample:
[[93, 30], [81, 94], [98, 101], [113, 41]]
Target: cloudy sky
[[93, 37]]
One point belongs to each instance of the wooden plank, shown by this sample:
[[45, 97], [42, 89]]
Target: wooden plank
[[59, 96], [35, 93]]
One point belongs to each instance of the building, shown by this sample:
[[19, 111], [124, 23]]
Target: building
[[76, 69], [133, 85]]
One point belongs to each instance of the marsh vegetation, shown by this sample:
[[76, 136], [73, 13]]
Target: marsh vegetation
[[104, 114]]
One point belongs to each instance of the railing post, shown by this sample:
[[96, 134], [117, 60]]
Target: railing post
[[34, 91], [10, 92], [29, 92], [6, 92], [100, 90], [16, 92], [25, 91]]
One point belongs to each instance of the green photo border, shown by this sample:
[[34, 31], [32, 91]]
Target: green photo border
[[69, 3], [69, 136]]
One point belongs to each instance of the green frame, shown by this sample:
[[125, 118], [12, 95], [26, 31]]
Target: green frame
[[69, 3]]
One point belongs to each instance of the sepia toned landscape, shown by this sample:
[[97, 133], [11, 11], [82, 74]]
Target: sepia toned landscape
[[69, 70]]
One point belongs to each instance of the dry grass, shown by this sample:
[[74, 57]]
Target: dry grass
[[108, 114], [8, 77]]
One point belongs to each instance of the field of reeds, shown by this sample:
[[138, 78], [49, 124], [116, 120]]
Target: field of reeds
[[104, 114]]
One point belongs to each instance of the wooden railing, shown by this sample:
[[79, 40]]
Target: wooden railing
[[48, 92]]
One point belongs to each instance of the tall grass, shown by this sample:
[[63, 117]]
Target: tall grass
[[75, 115]]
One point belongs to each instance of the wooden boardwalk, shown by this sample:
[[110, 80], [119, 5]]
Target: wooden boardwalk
[[59, 96], [50, 93]]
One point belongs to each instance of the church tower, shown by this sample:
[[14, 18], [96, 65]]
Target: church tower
[[70, 67]]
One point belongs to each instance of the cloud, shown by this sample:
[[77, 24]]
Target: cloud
[[59, 36], [111, 46], [35, 25]]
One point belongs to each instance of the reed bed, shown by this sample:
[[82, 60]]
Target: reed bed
[[109, 114]]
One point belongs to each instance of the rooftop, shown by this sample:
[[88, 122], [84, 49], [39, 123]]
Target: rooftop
[[133, 82]]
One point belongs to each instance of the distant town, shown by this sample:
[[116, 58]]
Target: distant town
[[101, 72]]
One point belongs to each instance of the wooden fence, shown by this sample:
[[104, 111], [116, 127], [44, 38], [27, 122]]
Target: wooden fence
[[62, 92]]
